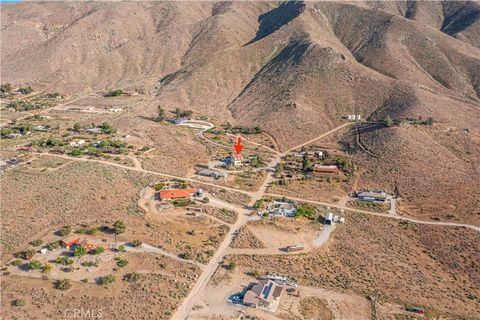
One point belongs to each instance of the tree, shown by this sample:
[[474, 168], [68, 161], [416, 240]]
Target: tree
[[429, 121], [161, 114], [46, 268], [6, 88], [121, 248], [306, 164], [53, 245], [64, 284], [119, 227], [79, 251], [388, 121], [206, 200], [136, 243], [65, 231], [77, 126]]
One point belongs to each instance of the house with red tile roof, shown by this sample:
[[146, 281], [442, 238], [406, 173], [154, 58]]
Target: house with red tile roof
[[70, 241], [326, 169], [176, 193]]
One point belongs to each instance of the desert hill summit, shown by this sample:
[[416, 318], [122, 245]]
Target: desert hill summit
[[293, 68]]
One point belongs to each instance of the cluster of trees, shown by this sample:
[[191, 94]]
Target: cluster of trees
[[243, 130], [25, 254], [108, 279], [307, 165], [107, 128], [306, 211], [6, 88], [114, 93], [179, 113], [389, 122], [22, 105], [25, 90], [131, 277]]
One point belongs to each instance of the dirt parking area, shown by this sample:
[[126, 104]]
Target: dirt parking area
[[270, 236]]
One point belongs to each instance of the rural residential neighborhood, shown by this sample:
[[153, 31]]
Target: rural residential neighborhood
[[241, 160]]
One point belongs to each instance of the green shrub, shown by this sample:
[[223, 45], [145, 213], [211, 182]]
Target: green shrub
[[79, 251], [122, 263], [34, 265], [90, 231], [64, 284], [132, 277], [108, 279], [89, 264], [19, 302], [63, 260], [230, 266], [181, 202], [47, 267], [186, 255], [159, 186], [76, 152], [25, 90], [99, 250], [16, 262], [121, 248]]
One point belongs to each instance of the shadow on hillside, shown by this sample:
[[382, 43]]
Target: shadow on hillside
[[277, 18]]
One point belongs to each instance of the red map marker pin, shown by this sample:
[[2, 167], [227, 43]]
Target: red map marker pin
[[238, 146]]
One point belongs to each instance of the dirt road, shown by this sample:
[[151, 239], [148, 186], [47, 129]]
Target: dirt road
[[385, 215]]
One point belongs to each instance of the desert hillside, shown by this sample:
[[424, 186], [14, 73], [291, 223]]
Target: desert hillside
[[292, 68]]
